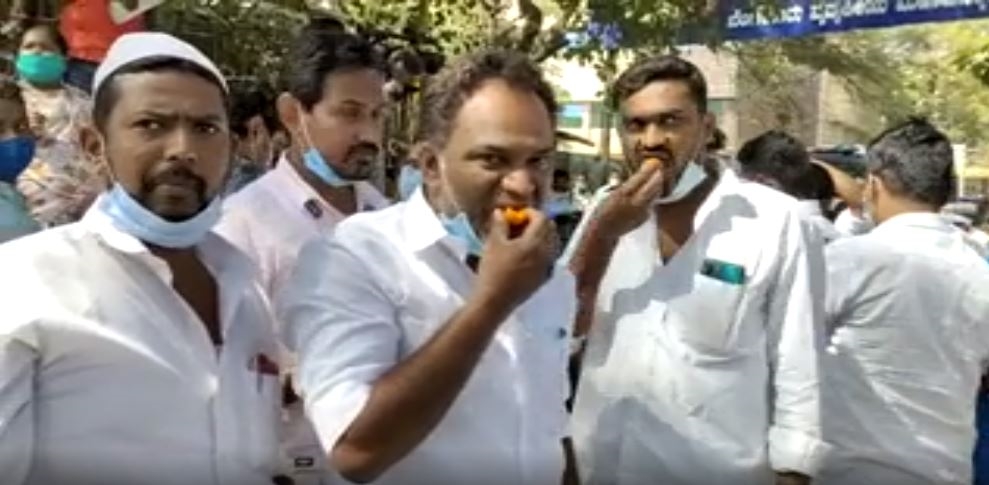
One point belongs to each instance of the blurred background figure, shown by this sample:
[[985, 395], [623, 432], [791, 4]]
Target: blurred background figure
[[252, 122], [16, 151], [410, 175], [91, 26], [61, 182]]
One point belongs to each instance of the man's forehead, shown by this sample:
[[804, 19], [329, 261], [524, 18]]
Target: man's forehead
[[169, 88], [660, 96], [362, 85]]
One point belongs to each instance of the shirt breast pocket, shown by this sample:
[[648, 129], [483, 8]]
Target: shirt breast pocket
[[265, 398], [706, 318]]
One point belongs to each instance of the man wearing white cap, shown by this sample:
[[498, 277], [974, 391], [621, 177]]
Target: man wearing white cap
[[134, 347]]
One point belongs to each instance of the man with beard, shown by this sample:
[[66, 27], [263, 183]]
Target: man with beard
[[703, 290], [433, 337], [134, 345], [334, 111]]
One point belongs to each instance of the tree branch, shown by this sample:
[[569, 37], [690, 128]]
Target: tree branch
[[532, 17]]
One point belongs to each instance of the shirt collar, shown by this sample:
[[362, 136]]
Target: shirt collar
[[809, 208], [926, 220], [726, 184], [222, 257], [300, 194], [423, 229]]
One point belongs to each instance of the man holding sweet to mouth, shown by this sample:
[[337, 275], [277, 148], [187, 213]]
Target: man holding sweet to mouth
[[700, 301], [433, 336]]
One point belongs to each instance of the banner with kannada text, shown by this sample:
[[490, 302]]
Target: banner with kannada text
[[742, 21]]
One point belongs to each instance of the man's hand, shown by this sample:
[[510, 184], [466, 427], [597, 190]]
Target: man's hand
[[629, 205], [846, 187], [791, 478], [513, 268]]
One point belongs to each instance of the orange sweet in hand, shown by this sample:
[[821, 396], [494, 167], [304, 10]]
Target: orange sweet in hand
[[516, 217], [652, 161]]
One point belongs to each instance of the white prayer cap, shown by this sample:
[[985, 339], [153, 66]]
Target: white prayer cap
[[133, 47]]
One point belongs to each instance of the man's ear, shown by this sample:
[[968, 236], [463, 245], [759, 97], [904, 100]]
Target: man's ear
[[288, 112], [428, 160], [91, 142]]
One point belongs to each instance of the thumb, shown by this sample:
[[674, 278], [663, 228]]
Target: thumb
[[499, 226]]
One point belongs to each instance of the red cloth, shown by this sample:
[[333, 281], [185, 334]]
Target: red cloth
[[89, 29]]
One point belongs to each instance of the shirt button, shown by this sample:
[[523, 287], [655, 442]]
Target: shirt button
[[212, 385]]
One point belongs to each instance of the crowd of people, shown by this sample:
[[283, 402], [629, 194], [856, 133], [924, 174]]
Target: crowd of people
[[201, 285]]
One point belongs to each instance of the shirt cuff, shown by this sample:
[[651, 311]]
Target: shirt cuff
[[333, 412], [795, 451]]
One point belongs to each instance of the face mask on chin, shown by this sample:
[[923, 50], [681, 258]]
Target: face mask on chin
[[690, 178], [131, 217], [459, 225], [314, 161]]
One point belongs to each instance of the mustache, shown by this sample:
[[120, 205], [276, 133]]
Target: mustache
[[175, 175], [661, 152], [363, 150]]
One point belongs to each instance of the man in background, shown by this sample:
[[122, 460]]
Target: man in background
[[906, 308], [251, 124], [780, 161], [91, 26], [700, 302]]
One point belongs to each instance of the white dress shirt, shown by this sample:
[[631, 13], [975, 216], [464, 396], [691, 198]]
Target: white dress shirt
[[386, 283], [273, 217], [107, 375], [691, 379], [849, 223], [820, 226], [908, 305]]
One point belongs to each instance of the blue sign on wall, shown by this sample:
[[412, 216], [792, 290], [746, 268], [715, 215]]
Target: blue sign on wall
[[742, 21]]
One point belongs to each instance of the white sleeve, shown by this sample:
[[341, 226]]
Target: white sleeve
[[341, 324], [17, 363], [796, 337]]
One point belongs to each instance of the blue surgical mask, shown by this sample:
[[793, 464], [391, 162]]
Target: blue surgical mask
[[15, 155], [692, 176], [317, 164], [460, 227], [409, 179], [129, 216]]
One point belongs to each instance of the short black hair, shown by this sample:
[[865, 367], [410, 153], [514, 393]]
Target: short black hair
[[777, 156], [245, 104], [317, 53], [914, 160], [660, 68], [63, 46], [813, 184], [455, 83], [718, 142], [106, 97]]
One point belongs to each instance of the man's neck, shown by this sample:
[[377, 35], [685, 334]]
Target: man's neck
[[173, 256], [343, 199]]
